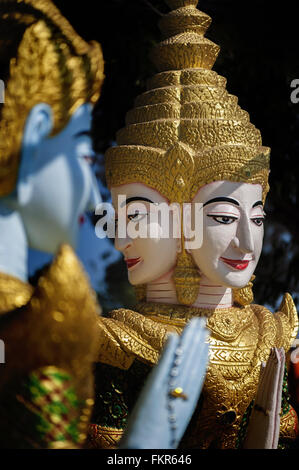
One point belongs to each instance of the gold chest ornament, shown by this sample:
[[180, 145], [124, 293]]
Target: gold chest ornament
[[189, 129], [241, 339]]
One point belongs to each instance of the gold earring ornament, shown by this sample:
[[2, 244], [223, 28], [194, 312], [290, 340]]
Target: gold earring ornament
[[244, 296]]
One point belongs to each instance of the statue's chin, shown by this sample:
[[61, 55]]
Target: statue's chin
[[233, 282], [143, 273], [51, 244]]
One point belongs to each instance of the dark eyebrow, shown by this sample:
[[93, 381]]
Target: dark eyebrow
[[136, 198], [82, 133], [258, 203], [222, 199]]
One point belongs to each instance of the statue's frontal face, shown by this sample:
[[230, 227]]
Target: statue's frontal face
[[62, 185], [231, 241], [232, 232], [150, 257]]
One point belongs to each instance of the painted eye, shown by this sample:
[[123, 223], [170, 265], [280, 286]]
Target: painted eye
[[136, 217], [90, 159], [223, 219], [258, 221]]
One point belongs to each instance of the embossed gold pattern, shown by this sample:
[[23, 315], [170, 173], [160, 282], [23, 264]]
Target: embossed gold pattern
[[56, 327], [101, 437], [289, 425], [127, 335], [241, 338], [53, 65], [186, 278], [188, 128], [244, 295]]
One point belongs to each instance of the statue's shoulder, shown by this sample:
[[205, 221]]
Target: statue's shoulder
[[126, 334], [53, 323], [50, 337], [281, 328]]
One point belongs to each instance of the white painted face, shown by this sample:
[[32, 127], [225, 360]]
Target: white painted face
[[149, 258], [59, 184], [232, 232]]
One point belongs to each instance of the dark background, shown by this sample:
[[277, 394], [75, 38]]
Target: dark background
[[260, 57]]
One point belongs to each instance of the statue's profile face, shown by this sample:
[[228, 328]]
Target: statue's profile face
[[232, 232], [150, 257], [61, 184]]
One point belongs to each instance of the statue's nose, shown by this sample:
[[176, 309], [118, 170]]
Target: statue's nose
[[243, 240], [95, 197]]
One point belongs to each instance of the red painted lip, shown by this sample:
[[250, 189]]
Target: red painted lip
[[132, 262], [236, 263], [81, 219]]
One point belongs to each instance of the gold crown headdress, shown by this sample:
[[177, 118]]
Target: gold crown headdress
[[187, 127], [47, 62]]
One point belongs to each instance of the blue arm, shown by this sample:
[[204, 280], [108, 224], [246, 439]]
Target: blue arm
[[171, 392]]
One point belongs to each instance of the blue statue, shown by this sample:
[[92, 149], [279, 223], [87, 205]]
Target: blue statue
[[52, 80]]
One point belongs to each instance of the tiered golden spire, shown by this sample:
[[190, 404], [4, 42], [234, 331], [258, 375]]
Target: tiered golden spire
[[187, 113], [185, 45], [187, 130]]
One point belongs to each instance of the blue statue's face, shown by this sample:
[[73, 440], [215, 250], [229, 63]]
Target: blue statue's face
[[59, 182]]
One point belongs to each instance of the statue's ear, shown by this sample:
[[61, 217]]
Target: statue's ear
[[38, 126]]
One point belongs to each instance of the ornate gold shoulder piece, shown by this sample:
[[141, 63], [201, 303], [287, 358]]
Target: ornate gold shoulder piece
[[287, 315], [50, 349], [56, 327], [127, 335]]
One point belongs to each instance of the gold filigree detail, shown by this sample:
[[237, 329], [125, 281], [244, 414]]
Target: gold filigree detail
[[178, 312], [289, 425], [189, 129], [187, 106], [241, 338], [185, 45], [186, 279], [244, 296], [229, 324], [101, 437], [187, 109], [127, 335], [180, 162], [53, 65]]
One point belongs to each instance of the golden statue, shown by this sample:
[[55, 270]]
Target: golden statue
[[188, 141], [52, 78], [48, 333]]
